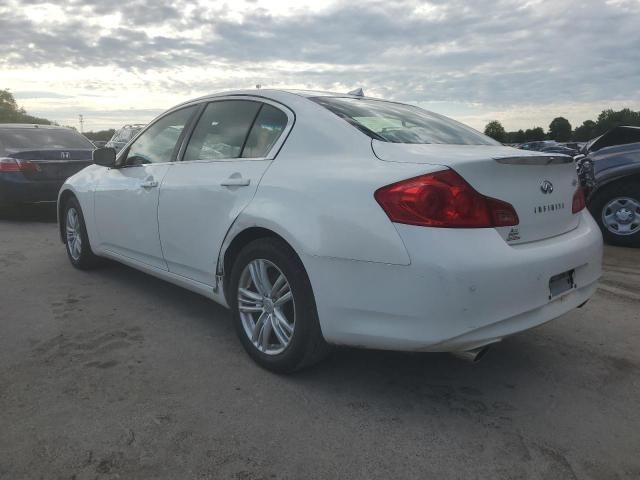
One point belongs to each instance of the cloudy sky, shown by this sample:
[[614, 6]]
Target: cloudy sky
[[521, 62]]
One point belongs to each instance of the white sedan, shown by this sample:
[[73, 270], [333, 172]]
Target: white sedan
[[325, 219]]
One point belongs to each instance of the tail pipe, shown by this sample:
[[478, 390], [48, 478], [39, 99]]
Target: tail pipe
[[472, 356]]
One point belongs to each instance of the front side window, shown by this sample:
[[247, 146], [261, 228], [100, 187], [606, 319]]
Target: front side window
[[158, 143], [399, 123], [222, 130]]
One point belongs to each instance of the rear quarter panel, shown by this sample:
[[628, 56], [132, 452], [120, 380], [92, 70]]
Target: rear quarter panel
[[318, 192]]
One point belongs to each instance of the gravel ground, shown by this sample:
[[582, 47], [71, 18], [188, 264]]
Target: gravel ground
[[114, 374]]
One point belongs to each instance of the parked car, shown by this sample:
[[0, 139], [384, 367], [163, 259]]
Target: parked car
[[610, 174], [577, 146], [560, 149], [548, 146], [123, 136], [339, 219], [537, 145], [35, 160]]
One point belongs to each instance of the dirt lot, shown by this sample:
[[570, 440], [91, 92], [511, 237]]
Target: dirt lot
[[114, 374]]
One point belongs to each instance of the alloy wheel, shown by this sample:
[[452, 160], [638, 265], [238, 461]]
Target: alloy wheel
[[266, 306], [74, 239]]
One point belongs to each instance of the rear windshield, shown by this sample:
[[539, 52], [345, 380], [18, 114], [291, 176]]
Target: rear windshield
[[399, 123], [14, 140]]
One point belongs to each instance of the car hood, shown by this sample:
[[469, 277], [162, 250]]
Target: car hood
[[616, 136]]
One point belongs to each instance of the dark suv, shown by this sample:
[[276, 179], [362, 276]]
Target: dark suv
[[609, 170], [124, 136]]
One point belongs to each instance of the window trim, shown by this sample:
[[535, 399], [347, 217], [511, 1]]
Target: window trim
[[273, 152], [122, 155]]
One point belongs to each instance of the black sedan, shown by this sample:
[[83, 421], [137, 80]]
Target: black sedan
[[609, 170], [35, 160]]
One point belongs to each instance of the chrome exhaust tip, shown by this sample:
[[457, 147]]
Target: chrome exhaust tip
[[473, 356]]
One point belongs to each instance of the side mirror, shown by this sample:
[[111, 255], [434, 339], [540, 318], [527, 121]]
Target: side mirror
[[105, 157]]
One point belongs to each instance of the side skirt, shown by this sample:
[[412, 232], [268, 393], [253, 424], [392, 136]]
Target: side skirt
[[179, 280]]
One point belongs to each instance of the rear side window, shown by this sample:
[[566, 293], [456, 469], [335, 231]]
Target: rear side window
[[399, 123], [222, 130], [14, 140], [265, 132]]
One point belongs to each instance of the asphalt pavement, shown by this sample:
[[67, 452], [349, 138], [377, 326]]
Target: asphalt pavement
[[114, 374]]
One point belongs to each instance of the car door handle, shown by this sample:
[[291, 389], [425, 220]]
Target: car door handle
[[149, 184], [236, 182]]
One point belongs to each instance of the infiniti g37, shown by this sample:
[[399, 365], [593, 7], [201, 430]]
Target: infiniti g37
[[324, 219]]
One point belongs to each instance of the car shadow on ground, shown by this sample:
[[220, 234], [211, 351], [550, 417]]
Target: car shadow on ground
[[45, 213], [385, 376]]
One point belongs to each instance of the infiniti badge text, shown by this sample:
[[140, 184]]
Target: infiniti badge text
[[551, 207]]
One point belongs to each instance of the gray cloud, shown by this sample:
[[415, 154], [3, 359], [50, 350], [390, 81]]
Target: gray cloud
[[493, 52]]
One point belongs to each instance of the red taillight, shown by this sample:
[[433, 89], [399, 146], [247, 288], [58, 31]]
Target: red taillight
[[578, 201], [443, 199], [10, 165]]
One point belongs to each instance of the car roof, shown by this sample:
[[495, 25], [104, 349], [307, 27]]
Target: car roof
[[275, 94]]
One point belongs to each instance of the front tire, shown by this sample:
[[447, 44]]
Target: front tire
[[273, 307], [76, 238], [616, 208]]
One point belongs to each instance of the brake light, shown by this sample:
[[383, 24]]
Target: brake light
[[579, 202], [11, 165], [443, 199]]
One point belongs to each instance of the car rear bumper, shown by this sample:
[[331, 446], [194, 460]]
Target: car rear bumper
[[463, 289], [15, 188]]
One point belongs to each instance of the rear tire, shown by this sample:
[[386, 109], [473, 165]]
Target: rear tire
[[76, 239], [281, 335], [616, 208]]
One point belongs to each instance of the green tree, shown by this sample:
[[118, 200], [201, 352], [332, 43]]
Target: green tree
[[585, 132], [495, 130], [560, 129], [534, 134], [10, 112], [611, 118]]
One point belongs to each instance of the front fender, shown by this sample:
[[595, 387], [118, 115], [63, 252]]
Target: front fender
[[81, 185]]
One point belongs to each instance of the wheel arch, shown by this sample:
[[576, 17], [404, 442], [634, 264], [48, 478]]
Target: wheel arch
[[237, 238], [610, 182]]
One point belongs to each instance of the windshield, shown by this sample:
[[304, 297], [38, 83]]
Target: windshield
[[399, 123], [14, 140]]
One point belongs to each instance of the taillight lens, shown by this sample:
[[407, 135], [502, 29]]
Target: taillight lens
[[10, 165], [579, 202], [443, 199]]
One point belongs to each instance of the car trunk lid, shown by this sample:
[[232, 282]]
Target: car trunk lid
[[539, 186], [53, 164]]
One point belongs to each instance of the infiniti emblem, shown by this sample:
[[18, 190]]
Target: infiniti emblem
[[546, 186]]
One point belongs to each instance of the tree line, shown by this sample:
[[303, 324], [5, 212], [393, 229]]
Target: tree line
[[11, 112], [560, 128]]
